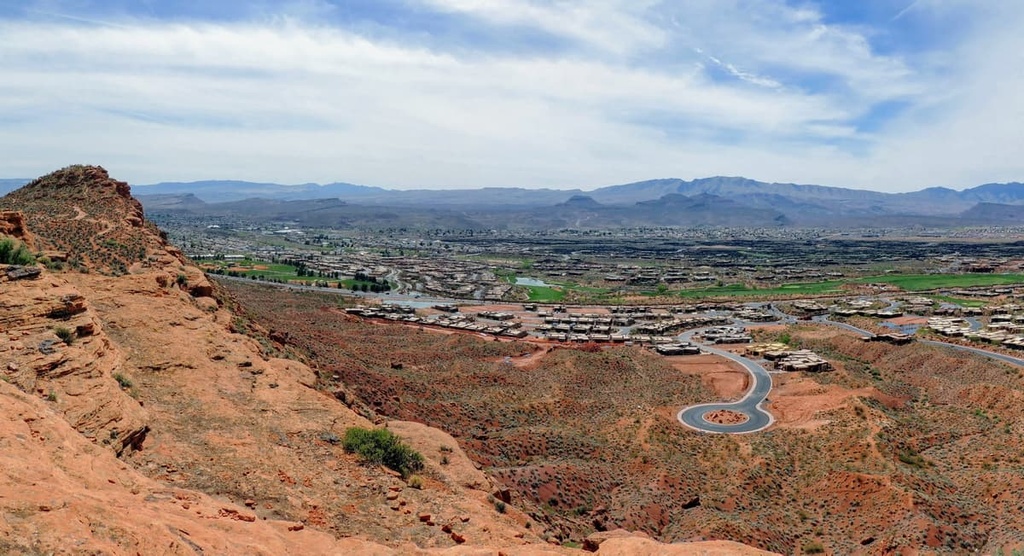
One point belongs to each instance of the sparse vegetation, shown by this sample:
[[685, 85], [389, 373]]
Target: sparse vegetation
[[96, 234], [329, 437], [382, 447], [602, 438], [65, 334], [813, 547], [123, 381], [911, 458]]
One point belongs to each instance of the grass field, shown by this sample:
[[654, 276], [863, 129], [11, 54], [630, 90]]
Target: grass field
[[907, 282], [584, 289], [544, 294], [959, 301], [922, 282], [274, 271], [255, 268], [553, 292], [809, 288]]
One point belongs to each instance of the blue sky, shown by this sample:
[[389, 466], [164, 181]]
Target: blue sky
[[890, 95]]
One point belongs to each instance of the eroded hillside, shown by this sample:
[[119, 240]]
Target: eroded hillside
[[136, 418], [901, 449]]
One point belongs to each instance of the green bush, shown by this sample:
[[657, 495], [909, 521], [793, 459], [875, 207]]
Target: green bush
[[382, 447], [65, 335], [13, 251]]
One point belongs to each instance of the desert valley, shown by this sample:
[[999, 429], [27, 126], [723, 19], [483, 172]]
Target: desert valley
[[204, 402]]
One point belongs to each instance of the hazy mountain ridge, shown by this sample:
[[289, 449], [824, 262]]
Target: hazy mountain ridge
[[929, 201], [718, 201], [216, 191], [995, 213], [579, 211], [743, 202], [10, 184]]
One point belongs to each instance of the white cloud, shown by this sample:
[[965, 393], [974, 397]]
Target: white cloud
[[294, 101], [615, 26], [969, 134]]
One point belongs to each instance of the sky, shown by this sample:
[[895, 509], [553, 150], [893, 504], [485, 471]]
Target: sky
[[888, 95]]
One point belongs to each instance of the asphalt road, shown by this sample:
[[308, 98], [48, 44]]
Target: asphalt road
[[751, 405], [977, 351], [824, 320], [757, 418], [990, 354]]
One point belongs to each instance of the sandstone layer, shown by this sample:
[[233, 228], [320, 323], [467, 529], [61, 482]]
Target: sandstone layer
[[140, 415]]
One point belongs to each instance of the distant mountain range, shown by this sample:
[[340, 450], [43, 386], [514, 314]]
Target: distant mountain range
[[716, 201], [8, 185], [784, 197]]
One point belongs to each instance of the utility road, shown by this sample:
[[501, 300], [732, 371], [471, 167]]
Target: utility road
[[757, 418]]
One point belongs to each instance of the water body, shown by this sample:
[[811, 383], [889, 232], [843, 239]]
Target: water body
[[531, 282]]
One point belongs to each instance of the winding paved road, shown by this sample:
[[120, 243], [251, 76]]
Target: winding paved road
[[968, 349], [757, 418], [990, 354]]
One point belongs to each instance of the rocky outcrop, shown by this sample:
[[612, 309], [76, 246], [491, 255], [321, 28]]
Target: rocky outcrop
[[60, 494], [12, 223], [81, 215], [56, 349], [23, 272]]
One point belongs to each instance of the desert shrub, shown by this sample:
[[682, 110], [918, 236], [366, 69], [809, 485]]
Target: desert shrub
[[813, 547], [416, 482], [65, 334], [911, 457], [382, 447], [500, 506], [329, 437], [181, 280], [13, 251], [123, 381]]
